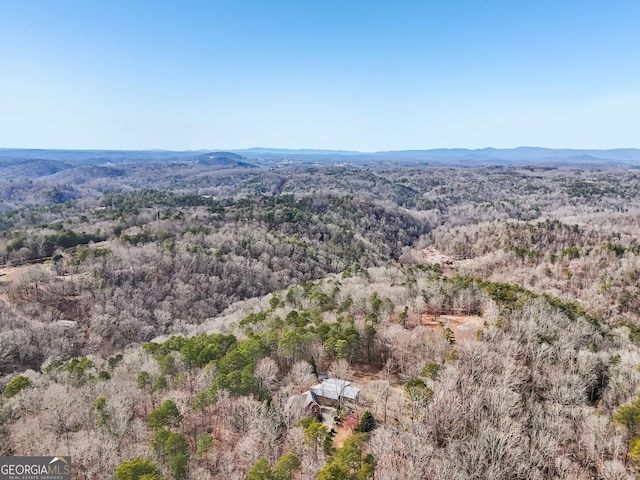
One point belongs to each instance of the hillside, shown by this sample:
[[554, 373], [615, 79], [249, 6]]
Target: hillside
[[488, 317]]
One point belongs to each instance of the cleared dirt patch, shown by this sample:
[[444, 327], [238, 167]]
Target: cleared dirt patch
[[363, 374], [12, 273], [344, 431], [433, 256], [464, 327]]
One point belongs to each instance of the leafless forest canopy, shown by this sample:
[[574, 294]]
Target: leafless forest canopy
[[158, 319]]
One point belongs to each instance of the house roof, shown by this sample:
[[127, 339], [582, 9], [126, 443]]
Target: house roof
[[304, 400], [335, 388], [310, 397]]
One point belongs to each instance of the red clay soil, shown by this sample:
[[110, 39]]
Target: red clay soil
[[345, 430], [464, 326]]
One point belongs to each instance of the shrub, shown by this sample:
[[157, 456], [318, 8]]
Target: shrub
[[16, 385], [367, 423], [137, 469]]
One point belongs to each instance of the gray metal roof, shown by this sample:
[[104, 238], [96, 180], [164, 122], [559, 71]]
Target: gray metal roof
[[335, 388]]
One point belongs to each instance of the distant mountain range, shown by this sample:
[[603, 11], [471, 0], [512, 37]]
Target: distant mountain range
[[483, 155], [267, 156]]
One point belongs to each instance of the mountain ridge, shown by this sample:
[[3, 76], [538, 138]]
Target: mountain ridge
[[482, 155]]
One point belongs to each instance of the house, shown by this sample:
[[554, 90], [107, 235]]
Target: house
[[311, 403], [336, 389], [306, 402]]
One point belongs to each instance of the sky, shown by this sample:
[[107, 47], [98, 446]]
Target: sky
[[329, 74]]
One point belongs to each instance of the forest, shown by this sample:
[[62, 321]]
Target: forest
[[164, 320]]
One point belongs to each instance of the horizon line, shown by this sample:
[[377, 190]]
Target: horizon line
[[321, 150]]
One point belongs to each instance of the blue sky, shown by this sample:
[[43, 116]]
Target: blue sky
[[337, 74]]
